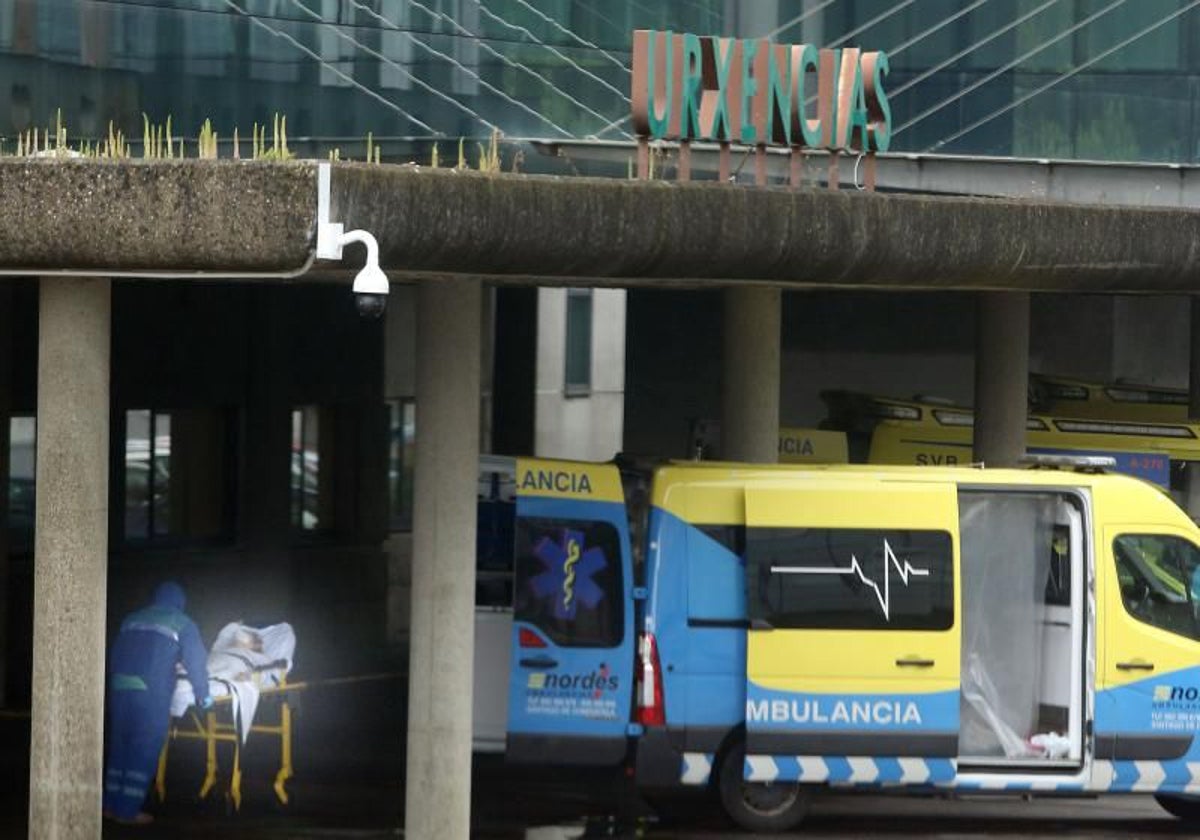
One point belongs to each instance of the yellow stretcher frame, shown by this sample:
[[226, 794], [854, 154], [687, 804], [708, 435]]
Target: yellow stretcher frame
[[212, 731]]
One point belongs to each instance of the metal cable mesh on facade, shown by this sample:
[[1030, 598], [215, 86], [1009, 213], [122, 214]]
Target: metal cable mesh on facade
[[560, 68]]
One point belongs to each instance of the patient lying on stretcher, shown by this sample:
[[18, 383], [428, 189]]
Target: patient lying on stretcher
[[243, 662], [240, 660]]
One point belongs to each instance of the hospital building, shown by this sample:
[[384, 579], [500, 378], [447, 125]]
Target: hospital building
[[192, 394]]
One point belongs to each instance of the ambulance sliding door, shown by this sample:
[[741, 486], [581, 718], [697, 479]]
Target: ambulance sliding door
[[853, 649], [571, 674]]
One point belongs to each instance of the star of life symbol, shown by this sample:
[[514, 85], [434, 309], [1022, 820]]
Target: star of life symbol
[[884, 596], [567, 573]]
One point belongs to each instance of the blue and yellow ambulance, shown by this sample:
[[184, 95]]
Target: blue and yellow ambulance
[[764, 631]]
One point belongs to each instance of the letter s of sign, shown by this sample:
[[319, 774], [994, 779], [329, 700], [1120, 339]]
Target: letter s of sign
[[879, 112], [568, 586]]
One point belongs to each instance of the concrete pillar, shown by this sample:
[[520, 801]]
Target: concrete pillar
[[750, 375], [438, 795], [71, 558], [1001, 377]]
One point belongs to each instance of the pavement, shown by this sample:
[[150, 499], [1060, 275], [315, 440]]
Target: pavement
[[349, 784]]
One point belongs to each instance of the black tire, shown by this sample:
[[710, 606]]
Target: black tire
[[759, 806], [1186, 808]]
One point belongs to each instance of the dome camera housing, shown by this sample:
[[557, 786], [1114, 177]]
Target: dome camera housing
[[371, 291], [370, 306]]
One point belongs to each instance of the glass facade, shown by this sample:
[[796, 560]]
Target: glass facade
[[1100, 79], [577, 363]]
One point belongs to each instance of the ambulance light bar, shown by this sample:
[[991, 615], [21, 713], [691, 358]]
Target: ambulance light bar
[[895, 412], [1146, 395], [1092, 463]]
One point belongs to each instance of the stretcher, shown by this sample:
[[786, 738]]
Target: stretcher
[[218, 726]]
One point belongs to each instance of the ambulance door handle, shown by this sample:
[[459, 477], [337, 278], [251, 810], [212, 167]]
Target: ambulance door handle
[[914, 662], [1135, 665], [539, 662]]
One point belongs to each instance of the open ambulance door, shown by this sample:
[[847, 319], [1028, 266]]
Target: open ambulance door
[[853, 650], [571, 676]]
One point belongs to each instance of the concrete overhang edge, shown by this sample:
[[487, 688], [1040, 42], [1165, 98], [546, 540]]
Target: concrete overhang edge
[[201, 220], [183, 219], [560, 230]]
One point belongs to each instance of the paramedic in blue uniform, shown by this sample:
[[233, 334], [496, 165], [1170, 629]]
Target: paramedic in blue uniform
[[141, 680]]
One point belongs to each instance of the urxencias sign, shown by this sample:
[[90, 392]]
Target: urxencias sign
[[757, 92]]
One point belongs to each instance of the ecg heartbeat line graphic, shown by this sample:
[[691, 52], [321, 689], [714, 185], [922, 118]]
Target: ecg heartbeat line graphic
[[884, 598]]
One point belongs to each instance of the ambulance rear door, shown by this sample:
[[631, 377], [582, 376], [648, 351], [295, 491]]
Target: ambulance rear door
[[853, 649], [571, 674]]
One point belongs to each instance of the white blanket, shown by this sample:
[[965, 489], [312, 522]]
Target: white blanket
[[242, 662]]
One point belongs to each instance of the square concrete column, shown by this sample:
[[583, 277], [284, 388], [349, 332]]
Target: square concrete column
[[442, 637], [70, 558], [1001, 377], [750, 375]]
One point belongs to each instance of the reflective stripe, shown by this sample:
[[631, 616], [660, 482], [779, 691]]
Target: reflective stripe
[[152, 627], [127, 682], [697, 767], [850, 770]]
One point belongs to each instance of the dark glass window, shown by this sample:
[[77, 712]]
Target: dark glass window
[[402, 434], [176, 473], [1058, 584], [569, 581], [579, 341], [733, 537], [495, 517], [312, 469], [22, 459], [849, 579], [1159, 578]]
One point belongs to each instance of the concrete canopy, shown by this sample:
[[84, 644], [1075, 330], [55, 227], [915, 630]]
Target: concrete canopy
[[224, 218], [142, 218]]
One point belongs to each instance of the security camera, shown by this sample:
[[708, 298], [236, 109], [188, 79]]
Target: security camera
[[370, 306], [370, 284], [371, 291]]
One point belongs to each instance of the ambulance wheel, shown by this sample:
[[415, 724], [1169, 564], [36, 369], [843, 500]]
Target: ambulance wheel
[[1186, 808], [759, 806]]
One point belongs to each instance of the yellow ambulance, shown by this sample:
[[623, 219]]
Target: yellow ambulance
[[883, 430], [1066, 397], [759, 632]]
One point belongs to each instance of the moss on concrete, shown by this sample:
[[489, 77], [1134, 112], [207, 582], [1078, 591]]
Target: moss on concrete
[[156, 216], [252, 217], [615, 231]]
